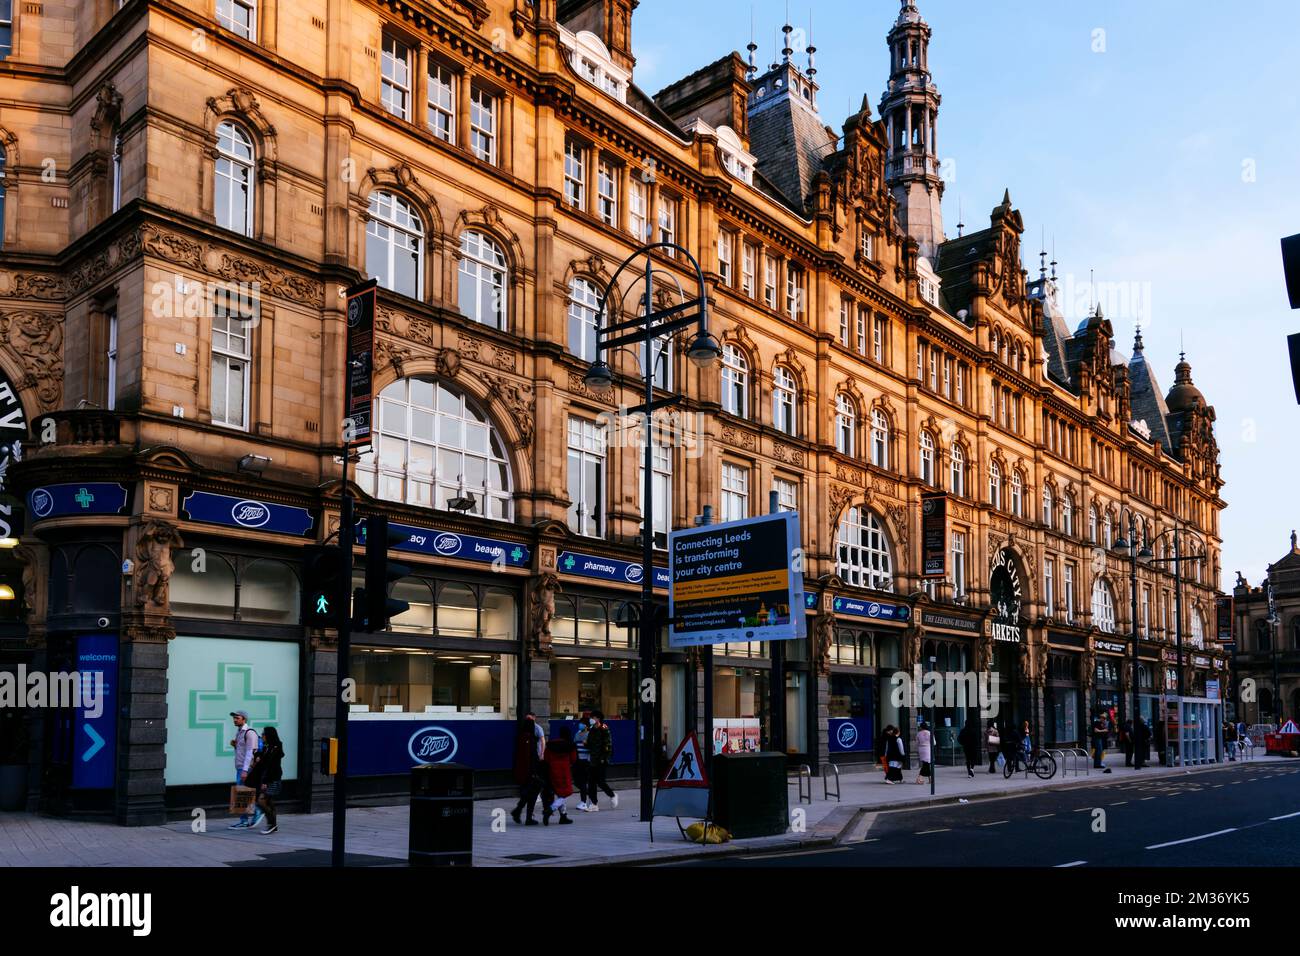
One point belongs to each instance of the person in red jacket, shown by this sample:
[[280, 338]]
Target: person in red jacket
[[560, 757]]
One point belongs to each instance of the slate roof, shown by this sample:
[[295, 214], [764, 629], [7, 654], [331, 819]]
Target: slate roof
[[788, 139], [1146, 401]]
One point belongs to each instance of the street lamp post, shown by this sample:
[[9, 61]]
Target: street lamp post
[[647, 328], [1177, 561], [1134, 555]]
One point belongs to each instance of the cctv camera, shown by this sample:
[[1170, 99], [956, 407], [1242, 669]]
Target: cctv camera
[[103, 622]]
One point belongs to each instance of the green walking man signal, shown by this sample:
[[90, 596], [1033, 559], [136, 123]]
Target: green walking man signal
[[322, 570]]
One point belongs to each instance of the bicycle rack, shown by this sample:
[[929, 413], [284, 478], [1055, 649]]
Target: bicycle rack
[[827, 769], [1060, 763], [1087, 761], [804, 773]]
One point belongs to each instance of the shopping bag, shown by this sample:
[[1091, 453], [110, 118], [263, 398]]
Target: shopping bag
[[1002, 761], [241, 800]]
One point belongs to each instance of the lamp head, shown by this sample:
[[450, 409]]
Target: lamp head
[[704, 349], [599, 375], [1145, 555], [1120, 546]]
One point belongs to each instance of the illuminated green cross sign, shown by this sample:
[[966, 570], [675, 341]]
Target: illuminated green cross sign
[[83, 498], [211, 709]]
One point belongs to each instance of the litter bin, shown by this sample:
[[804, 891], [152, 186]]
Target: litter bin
[[750, 795], [442, 815]]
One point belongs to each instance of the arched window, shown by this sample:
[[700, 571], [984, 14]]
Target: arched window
[[1017, 494], [846, 424], [997, 344], [957, 466], [1067, 514], [1108, 529], [735, 381], [1263, 636], [584, 305], [927, 458], [995, 484], [395, 244], [784, 400], [1103, 607], [1047, 506], [1092, 523], [864, 556], [234, 179], [433, 444], [482, 291], [879, 439], [1198, 629]]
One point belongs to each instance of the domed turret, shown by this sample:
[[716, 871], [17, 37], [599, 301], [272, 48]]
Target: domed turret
[[1184, 394]]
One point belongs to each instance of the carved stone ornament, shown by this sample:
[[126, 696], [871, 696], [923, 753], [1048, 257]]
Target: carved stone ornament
[[739, 437], [35, 341], [519, 402], [541, 611], [840, 496], [153, 554], [898, 515], [788, 454]]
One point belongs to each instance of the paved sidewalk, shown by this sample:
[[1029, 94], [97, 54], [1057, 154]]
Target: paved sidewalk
[[377, 836]]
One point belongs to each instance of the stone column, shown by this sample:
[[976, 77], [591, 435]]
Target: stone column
[[541, 610], [820, 637]]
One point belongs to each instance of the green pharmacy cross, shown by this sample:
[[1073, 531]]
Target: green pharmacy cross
[[517, 554], [83, 497], [568, 563], [211, 709]]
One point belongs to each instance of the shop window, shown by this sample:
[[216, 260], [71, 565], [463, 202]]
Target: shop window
[[850, 696], [209, 592], [586, 684], [268, 593], [418, 618], [499, 618], [96, 578], [457, 611], [423, 681], [593, 623]]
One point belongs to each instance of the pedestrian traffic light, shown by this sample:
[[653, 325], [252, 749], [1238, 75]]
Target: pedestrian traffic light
[[322, 567], [380, 572]]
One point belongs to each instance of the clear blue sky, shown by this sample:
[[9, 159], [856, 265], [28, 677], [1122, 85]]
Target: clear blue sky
[[1168, 163]]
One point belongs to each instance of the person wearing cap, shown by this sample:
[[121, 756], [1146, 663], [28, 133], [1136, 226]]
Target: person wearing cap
[[245, 743]]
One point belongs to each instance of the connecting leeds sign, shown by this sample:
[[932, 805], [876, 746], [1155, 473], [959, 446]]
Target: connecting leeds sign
[[739, 581]]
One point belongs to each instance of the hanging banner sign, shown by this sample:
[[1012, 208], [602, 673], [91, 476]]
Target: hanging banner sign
[[94, 753], [934, 534], [607, 569], [1223, 615], [247, 513], [738, 581], [1004, 588], [358, 395], [879, 610], [78, 498]]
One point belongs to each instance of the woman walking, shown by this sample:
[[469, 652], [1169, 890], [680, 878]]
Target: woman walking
[[527, 768], [894, 755], [266, 776], [560, 757], [924, 752], [992, 745]]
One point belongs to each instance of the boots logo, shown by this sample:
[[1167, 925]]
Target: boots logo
[[42, 502], [250, 514], [847, 735], [432, 745], [447, 543], [633, 573]]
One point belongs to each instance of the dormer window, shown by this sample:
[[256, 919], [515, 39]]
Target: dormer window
[[929, 291], [592, 61], [735, 159]]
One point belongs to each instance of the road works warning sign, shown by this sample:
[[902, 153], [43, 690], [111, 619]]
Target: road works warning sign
[[739, 581], [687, 767]]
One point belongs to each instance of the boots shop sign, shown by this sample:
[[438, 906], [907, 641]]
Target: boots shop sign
[[1004, 588]]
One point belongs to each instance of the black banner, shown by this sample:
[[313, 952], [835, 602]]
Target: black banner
[[934, 534], [1223, 609], [358, 396]]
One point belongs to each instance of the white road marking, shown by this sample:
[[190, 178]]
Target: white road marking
[[1203, 836], [1075, 863], [1119, 803], [1286, 816], [1148, 798], [940, 830], [1043, 816], [997, 823], [775, 856]]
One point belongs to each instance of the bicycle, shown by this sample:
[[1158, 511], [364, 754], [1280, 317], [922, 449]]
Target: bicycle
[[1040, 762]]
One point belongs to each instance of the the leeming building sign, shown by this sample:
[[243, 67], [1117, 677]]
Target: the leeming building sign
[[1004, 589]]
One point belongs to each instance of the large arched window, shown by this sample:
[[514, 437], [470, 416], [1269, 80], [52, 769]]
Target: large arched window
[[735, 381], [1048, 514], [395, 244], [879, 439], [927, 458], [233, 201], [1263, 636], [482, 291], [995, 484], [433, 444], [785, 400], [957, 467], [846, 424], [1103, 607], [584, 306], [864, 556]]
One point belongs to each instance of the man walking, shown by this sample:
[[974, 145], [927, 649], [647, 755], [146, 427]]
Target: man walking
[[1141, 743], [1100, 727], [245, 743], [582, 767], [600, 748]]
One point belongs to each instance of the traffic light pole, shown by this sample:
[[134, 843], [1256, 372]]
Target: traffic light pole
[[340, 832]]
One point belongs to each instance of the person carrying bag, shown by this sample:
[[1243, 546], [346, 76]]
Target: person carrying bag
[[992, 746]]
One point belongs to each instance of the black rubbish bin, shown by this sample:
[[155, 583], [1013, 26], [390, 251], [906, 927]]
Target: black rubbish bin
[[442, 815], [750, 795]]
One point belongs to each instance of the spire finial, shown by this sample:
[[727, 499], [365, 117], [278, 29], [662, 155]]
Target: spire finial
[[1137, 339], [811, 50], [960, 225], [1042, 255], [753, 47], [787, 30], [1053, 258]]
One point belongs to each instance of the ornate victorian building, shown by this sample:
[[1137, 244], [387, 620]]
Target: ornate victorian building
[[1266, 654], [190, 185]]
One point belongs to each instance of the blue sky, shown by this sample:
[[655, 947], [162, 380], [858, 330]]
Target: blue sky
[[1161, 153]]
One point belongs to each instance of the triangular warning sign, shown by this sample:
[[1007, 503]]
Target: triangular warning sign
[[687, 766], [1289, 728]]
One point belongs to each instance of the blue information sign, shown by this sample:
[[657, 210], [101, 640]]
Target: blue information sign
[[390, 745], [94, 742], [452, 544], [247, 513], [78, 498], [849, 734], [607, 569], [877, 609]]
